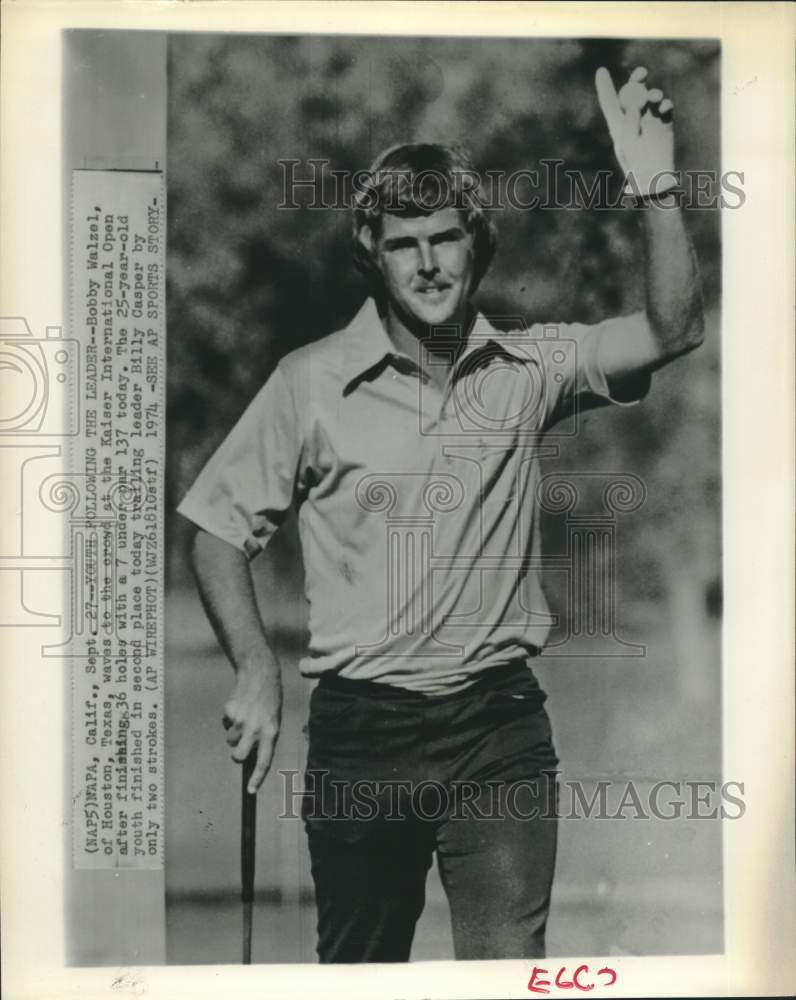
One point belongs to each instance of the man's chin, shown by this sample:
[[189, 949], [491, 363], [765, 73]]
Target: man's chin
[[435, 313]]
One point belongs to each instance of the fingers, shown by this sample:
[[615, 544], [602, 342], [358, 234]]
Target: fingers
[[239, 736], [658, 105], [245, 739], [244, 746], [264, 754], [623, 110], [609, 102], [634, 96], [233, 725], [264, 748]]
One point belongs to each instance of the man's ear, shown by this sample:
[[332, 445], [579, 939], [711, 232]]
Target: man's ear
[[367, 239]]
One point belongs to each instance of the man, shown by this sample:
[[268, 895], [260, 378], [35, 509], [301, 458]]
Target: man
[[408, 443]]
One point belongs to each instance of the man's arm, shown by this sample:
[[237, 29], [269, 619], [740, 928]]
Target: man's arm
[[674, 301], [639, 121], [253, 712]]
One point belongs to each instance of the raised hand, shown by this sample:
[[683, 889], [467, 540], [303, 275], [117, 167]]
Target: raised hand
[[640, 122]]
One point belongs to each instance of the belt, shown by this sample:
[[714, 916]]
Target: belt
[[376, 689]]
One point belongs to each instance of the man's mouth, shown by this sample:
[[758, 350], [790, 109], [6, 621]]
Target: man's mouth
[[432, 291]]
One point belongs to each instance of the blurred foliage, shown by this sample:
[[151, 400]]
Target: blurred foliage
[[249, 281]]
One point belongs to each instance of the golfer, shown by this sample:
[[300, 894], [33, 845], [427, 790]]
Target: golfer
[[408, 443]]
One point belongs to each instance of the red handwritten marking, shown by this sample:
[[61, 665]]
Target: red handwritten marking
[[579, 980]]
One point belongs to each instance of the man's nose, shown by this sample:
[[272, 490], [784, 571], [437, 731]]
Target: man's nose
[[427, 263]]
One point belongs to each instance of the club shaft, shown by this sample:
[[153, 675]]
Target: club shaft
[[247, 932], [248, 831]]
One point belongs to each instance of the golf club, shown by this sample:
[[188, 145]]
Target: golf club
[[248, 829]]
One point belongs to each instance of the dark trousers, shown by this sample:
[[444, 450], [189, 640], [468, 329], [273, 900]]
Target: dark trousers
[[393, 776]]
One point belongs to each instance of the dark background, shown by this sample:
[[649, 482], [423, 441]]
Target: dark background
[[248, 282]]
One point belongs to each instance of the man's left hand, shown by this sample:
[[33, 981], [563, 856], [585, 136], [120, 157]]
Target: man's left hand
[[640, 122]]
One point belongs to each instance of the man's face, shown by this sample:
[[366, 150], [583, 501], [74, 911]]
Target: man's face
[[427, 265]]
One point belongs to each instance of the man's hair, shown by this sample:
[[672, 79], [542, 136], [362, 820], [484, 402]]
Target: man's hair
[[420, 179]]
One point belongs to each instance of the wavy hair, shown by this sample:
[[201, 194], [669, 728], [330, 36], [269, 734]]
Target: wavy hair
[[420, 179]]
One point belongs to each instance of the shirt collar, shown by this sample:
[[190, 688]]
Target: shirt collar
[[369, 348], [367, 345]]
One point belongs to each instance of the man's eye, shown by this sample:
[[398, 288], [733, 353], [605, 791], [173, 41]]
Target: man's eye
[[446, 238]]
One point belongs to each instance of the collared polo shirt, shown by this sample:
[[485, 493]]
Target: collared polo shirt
[[418, 507]]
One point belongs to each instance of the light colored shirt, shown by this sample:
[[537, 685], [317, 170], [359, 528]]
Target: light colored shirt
[[417, 506]]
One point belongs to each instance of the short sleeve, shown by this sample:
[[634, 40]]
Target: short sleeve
[[573, 375], [244, 491]]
